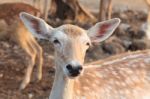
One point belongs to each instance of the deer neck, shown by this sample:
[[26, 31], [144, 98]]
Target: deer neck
[[62, 86]]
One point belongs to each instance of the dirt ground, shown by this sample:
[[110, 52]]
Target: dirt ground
[[12, 68]]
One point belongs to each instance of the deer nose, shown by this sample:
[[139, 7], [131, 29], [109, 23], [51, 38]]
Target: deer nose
[[74, 70]]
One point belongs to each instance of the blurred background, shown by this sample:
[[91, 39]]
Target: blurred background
[[133, 34]]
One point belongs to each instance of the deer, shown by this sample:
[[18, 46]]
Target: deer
[[146, 26], [13, 30], [105, 9], [125, 76]]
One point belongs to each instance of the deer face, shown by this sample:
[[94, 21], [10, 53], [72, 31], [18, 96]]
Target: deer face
[[70, 42]]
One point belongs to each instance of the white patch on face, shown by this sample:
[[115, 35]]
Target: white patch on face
[[74, 63], [84, 38], [66, 72], [62, 38], [59, 35]]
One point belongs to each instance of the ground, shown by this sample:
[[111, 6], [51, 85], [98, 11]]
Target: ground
[[12, 68]]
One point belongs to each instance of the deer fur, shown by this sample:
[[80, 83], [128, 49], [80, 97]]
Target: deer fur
[[126, 76], [13, 29]]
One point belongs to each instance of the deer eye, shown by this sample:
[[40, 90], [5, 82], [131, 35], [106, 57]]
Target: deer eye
[[56, 41], [88, 44]]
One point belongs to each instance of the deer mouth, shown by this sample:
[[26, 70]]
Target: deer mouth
[[74, 74]]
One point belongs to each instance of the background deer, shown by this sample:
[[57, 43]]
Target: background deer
[[147, 25], [125, 76], [13, 30], [105, 10]]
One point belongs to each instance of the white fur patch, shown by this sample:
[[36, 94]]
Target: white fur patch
[[61, 36]]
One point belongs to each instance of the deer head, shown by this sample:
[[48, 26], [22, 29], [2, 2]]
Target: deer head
[[70, 42]]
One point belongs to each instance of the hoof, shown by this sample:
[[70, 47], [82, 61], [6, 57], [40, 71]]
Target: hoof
[[23, 85], [39, 77]]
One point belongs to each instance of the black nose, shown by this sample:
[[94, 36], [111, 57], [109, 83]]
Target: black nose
[[74, 70]]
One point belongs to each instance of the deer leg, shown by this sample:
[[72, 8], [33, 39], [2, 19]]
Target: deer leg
[[39, 63], [39, 59], [109, 9], [32, 55]]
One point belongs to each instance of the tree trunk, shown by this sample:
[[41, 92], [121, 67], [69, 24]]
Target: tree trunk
[[105, 10], [70, 9]]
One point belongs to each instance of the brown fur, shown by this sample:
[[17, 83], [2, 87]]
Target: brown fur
[[10, 11], [72, 30], [14, 30]]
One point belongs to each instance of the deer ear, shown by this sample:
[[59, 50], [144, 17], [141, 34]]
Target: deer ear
[[102, 30], [38, 27]]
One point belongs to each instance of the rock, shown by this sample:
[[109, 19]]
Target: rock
[[15, 47], [51, 57], [124, 26], [5, 44], [142, 16], [123, 16], [1, 75], [137, 45], [113, 48], [30, 95], [140, 34]]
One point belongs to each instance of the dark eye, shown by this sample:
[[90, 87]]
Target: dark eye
[[56, 41], [88, 44]]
